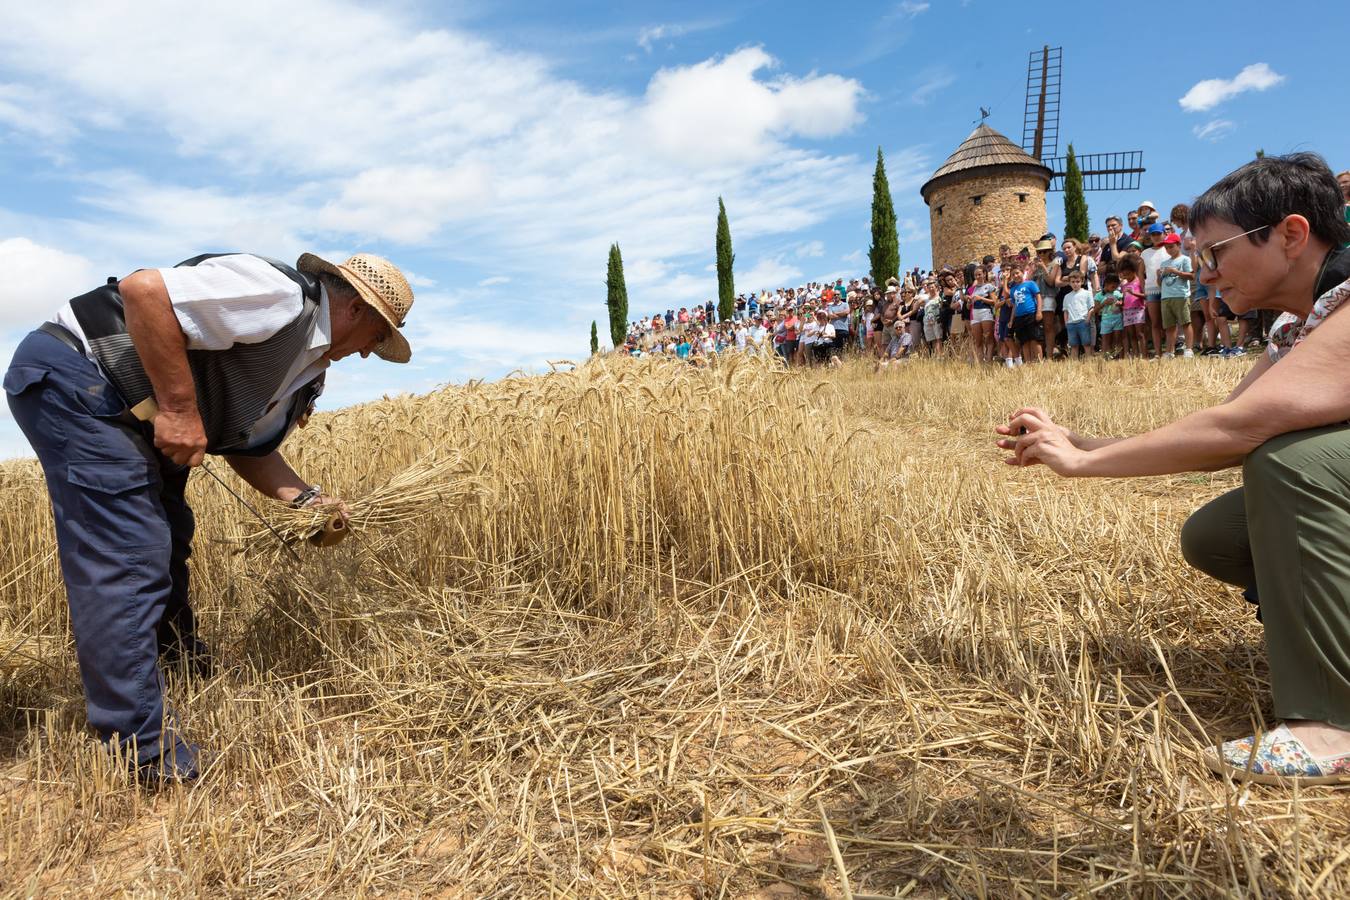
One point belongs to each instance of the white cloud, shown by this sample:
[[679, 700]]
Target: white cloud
[[810, 249], [912, 9], [767, 274], [1207, 94], [494, 280], [38, 279], [933, 82], [407, 204], [27, 111], [477, 342], [718, 112], [386, 134], [855, 257], [1214, 130], [651, 34]]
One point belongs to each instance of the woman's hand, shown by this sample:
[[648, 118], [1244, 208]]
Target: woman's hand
[[1033, 438]]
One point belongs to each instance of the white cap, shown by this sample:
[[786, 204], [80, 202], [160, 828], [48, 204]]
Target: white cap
[[1149, 204]]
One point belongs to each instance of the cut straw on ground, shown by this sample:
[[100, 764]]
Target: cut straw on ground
[[642, 629]]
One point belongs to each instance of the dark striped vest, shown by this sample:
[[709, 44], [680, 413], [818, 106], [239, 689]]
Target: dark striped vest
[[234, 386]]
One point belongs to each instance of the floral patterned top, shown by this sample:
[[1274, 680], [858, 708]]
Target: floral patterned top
[[1289, 331]]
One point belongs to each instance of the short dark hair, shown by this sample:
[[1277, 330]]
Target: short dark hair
[[1267, 189]]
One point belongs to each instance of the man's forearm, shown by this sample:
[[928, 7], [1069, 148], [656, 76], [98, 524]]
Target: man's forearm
[[159, 340], [269, 475]]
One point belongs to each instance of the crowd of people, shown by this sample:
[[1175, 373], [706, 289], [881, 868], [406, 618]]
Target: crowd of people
[[1130, 291]]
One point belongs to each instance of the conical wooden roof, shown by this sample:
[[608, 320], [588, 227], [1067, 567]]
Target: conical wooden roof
[[984, 148]]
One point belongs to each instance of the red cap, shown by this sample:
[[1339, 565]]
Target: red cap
[[1172, 239]]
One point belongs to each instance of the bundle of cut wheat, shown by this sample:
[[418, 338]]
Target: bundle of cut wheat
[[435, 482]]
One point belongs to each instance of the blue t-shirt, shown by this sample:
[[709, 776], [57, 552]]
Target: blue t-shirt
[[1173, 287], [682, 351], [1025, 296]]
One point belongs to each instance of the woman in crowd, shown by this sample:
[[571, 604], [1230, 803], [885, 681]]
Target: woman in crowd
[[1048, 318], [1271, 235], [913, 304], [1003, 308], [932, 315], [982, 296]]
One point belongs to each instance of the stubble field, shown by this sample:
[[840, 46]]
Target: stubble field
[[670, 632]]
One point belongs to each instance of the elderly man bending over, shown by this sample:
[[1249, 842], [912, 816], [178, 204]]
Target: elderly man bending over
[[124, 390], [1270, 236]]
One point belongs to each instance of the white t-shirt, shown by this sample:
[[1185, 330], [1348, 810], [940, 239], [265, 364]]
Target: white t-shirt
[[238, 299], [1153, 258], [1077, 305]]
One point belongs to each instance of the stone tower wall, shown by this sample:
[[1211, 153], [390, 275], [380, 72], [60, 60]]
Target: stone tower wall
[[962, 231]]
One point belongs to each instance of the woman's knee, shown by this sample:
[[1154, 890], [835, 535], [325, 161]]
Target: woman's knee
[[1198, 541], [1214, 539]]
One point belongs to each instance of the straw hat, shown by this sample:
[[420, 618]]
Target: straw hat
[[381, 285]]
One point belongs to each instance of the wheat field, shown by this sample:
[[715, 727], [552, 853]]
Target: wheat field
[[635, 628]]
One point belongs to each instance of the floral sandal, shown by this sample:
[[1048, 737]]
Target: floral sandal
[[1279, 758]]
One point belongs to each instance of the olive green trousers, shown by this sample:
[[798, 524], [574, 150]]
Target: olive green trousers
[[1284, 536]]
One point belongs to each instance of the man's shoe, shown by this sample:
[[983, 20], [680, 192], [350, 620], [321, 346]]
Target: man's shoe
[[183, 768]]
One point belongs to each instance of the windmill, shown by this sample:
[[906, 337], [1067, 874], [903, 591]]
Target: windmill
[[1118, 171]]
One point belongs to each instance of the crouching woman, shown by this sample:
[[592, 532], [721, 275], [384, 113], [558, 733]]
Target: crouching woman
[[1269, 236]]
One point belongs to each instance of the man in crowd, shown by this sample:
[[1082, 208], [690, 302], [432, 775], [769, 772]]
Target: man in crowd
[[126, 389], [838, 316]]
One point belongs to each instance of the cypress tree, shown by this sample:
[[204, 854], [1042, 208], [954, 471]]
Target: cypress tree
[[726, 286], [884, 254], [1075, 204], [595, 339], [616, 297]]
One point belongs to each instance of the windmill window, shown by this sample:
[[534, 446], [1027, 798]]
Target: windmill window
[[1021, 198], [939, 210], [977, 199]]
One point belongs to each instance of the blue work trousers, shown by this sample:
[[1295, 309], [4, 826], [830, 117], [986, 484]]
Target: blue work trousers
[[123, 531]]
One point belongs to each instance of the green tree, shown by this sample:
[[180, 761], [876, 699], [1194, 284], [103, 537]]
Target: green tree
[[616, 297], [726, 285], [884, 254], [1075, 204], [595, 339], [1260, 152]]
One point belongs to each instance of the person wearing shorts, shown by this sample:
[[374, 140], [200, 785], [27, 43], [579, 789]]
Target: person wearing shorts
[[1175, 274], [1135, 318], [1026, 322], [982, 315], [1077, 316], [1108, 303]]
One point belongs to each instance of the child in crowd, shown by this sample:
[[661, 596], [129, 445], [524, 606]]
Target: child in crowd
[[1107, 304], [1027, 317], [1077, 312], [1135, 318], [1175, 274]]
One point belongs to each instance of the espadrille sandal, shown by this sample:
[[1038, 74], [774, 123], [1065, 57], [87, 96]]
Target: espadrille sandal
[[1279, 758]]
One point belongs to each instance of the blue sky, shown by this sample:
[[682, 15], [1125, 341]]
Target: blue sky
[[495, 150]]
